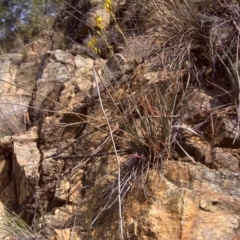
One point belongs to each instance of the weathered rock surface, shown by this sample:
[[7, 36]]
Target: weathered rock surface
[[191, 202], [58, 169], [26, 163], [66, 233], [14, 100]]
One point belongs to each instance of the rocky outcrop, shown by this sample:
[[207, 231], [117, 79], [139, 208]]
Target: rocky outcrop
[[26, 161], [177, 143], [191, 202]]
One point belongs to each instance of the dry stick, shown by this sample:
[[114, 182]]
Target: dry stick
[[238, 79], [40, 109], [115, 150], [89, 156]]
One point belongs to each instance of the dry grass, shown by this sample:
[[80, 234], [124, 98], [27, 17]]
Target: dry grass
[[194, 42], [14, 227]]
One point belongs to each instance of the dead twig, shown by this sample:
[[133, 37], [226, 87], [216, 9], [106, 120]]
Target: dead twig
[[92, 155], [116, 154]]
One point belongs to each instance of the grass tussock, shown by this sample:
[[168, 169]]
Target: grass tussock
[[194, 45], [14, 227]]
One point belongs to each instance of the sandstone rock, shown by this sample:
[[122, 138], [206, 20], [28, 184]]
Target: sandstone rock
[[226, 159], [151, 77], [84, 65], [63, 57], [203, 126], [198, 104], [25, 78], [51, 172], [197, 148], [46, 99], [18, 182], [61, 72], [14, 100], [206, 207], [49, 132], [58, 217], [13, 114], [57, 72], [9, 68], [76, 91], [67, 234], [8, 195], [29, 136], [26, 162], [68, 189], [228, 133]]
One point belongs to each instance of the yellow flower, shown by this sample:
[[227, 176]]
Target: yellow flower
[[99, 23], [108, 5], [92, 44]]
